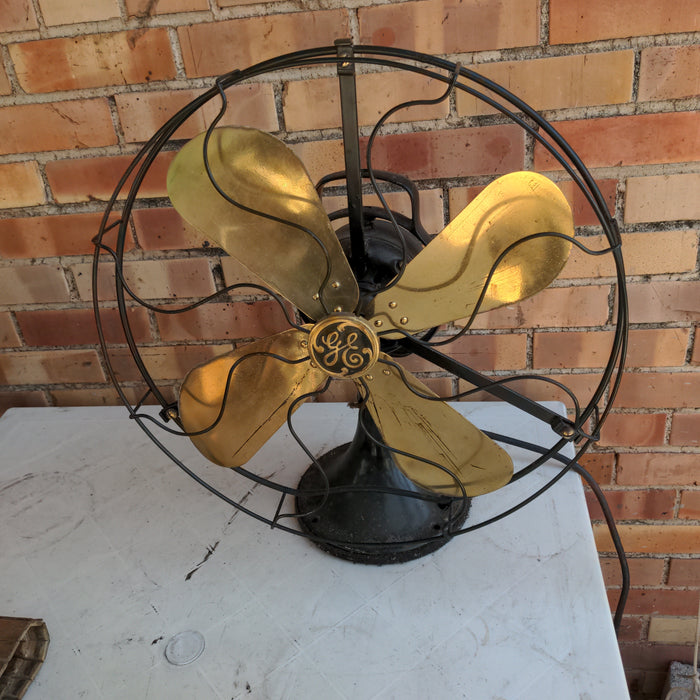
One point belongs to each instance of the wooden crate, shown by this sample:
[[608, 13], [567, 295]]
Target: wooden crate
[[23, 646]]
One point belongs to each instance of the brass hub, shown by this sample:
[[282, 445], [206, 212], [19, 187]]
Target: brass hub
[[343, 345]]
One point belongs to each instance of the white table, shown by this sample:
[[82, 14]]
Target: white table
[[108, 541]]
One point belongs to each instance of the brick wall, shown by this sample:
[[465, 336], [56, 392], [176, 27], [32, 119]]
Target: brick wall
[[83, 84]]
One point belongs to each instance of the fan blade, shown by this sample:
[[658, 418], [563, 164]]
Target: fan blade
[[444, 281], [433, 430], [259, 172], [261, 390]]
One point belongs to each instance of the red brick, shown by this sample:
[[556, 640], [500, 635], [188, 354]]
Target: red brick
[[8, 334], [662, 198], [658, 390], [440, 386], [320, 157], [629, 140], [658, 468], [376, 93], [17, 16], [46, 236], [672, 629], [685, 429], [599, 466], [238, 3], [143, 113], [558, 82], [20, 185], [224, 322], [5, 87], [657, 539], [164, 362], [78, 327], [655, 301], [50, 367], [453, 153], [555, 307], [648, 347], [631, 628], [684, 572], [570, 22], [55, 13], [690, 504], [669, 72], [643, 572], [654, 682], [481, 352], [106, 397], [567, 350], [151, 279], [633, 429], [645, 253], [165, 229], [33, 284], [207, 49], [64, 125], [147, 8], [89, 179], [647, 504], [662, 602], [654, 656], [122, 58], [448, 26], [21, 399]]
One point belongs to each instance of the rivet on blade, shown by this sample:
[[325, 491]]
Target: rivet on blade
[[403, 321], [369, 377], [378, 323], [335, 285], [392, 304], [315, 297], [386, 371], [338, 309]]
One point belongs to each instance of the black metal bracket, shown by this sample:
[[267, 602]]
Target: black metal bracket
[[561, 425], [351, 146]]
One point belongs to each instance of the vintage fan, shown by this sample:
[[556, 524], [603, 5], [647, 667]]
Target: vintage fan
[[376, 289]]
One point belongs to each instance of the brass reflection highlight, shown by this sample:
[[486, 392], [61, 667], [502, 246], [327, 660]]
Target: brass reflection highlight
[[433, 430], [259, 172], [444, 281], [261, 390]]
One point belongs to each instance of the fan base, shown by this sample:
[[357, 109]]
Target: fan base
[[365, 523]]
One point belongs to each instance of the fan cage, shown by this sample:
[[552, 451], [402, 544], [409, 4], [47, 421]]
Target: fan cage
[[585, 427]]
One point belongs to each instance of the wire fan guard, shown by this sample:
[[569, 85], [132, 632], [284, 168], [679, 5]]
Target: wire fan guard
[[136, 386]]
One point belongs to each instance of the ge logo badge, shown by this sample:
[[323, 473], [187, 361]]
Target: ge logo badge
[[343, 345]]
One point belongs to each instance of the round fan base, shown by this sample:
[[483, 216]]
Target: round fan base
[[361, 520]]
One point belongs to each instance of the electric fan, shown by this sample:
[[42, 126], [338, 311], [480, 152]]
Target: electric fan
[[357, 300]]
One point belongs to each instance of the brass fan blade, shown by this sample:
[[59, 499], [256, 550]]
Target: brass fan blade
[[444, 281], [433, 430], [258, 171], [261, 390]]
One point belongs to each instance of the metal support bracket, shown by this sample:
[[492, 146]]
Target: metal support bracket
[[351, 146], [561, 425]]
